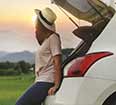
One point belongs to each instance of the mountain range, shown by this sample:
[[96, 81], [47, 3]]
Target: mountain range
[[27, 56]]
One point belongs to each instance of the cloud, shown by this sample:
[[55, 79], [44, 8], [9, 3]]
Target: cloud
[[4, 31], [15, 41]]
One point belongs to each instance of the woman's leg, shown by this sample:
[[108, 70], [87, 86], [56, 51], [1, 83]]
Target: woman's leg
[[36, 94]]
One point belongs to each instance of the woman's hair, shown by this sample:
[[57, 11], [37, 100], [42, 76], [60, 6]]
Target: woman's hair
[[39, 24]]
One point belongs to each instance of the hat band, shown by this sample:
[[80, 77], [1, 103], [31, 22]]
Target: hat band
[[45, 19]]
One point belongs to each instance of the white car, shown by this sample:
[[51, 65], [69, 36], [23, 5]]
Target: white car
[[90, 70]]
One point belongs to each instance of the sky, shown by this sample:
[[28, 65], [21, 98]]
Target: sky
[[17, 28]]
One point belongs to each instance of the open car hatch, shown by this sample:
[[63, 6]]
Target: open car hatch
[[88, 10]]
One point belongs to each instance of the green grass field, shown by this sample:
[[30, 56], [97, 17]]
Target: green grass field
[[12, 87]]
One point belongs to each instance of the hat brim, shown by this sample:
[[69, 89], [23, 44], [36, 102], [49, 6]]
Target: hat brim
[[50, 27]]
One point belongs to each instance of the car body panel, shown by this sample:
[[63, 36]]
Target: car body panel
[[104, 69], [106, 40], [82, 91]]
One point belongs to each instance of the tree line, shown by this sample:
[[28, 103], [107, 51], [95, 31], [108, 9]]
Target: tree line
[[21, 67]]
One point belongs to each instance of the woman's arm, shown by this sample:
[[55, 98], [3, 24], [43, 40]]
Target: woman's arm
[[57, 67]]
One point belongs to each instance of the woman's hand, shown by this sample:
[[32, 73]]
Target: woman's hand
[[52, 90]]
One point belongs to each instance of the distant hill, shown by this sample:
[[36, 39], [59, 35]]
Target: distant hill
[[17, 56], [3, 53], [27, 56]]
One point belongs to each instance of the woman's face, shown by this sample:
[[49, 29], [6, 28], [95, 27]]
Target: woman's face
[[39, 32]]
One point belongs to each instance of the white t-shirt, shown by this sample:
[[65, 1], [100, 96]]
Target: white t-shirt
[[44, 68]]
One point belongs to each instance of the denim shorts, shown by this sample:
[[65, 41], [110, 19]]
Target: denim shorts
[[35, 95]]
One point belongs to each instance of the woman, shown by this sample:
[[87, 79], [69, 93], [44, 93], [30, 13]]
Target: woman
[[48, 60]]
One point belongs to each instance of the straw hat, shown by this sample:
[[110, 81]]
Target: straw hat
[[47, 17]]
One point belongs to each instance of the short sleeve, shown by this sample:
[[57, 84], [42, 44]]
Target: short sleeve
[[55, 45]]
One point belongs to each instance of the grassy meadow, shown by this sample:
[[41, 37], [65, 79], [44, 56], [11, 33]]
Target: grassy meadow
[[11, 87]]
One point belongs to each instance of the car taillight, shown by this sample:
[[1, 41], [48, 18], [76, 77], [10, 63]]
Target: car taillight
[[81, 65]]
